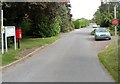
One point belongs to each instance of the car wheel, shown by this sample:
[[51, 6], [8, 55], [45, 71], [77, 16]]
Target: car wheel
[[95, 39], [109, 38]]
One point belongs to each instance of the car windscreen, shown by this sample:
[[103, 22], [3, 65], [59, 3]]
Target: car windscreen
[[101, 30]]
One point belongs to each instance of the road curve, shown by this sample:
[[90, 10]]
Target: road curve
[[71, 59]]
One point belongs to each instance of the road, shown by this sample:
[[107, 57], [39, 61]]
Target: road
[[73, 58]]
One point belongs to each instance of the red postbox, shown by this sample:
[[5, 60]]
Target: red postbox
[[19, 33]]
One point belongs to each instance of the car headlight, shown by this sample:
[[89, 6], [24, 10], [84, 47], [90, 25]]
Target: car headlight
[[108, 34]]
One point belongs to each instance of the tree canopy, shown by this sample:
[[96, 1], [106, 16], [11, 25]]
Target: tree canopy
[[38, 19], [105, 14]]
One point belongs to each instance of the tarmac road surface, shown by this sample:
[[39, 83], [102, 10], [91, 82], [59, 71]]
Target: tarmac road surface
[[73, 58]]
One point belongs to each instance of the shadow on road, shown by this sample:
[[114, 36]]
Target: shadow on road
[[90, 39]]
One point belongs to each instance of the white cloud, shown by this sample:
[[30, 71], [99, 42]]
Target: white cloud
[[84, 8]]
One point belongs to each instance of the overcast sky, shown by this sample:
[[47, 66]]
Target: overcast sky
[[84, 8]]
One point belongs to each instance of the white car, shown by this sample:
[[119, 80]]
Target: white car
[[102, 33], [94, 26]]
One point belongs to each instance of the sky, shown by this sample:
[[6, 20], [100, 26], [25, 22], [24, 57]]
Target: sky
[[84, 8]]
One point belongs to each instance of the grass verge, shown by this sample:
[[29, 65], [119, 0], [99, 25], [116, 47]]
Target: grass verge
[[26, 43], [93, 32], [110, 60]]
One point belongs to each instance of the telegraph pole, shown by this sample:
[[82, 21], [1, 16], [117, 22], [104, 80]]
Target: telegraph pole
[[1, 38], [116, 36], [2, 29]]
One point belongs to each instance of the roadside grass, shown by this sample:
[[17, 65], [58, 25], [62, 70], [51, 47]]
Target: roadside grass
[[110, 60], [26, 43], [0, 57], [92, 32]]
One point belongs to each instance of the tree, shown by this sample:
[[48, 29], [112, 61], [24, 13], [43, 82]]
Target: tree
[[38, 19], [80, 23], [105, 14]]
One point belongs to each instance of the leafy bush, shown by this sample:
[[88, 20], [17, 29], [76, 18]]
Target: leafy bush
[[80, 23], [77, 24], [118, 30], [25, 25], [44, 29], [112, 30], [65, 19], [93, 32]]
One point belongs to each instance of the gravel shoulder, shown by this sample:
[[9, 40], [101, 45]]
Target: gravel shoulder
[[100, 44]]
